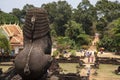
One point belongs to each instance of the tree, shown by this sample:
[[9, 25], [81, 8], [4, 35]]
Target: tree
[[116, 31], [85, 14], [52, 10], [111, 38], [7, 18], [73, 29], [59, 14], [64, 43], [4, 43], [75, 32], [101, 26], [108, 9], [17, 12]]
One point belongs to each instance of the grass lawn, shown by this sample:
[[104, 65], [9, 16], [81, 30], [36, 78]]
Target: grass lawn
[[106, 72], [68, 67]]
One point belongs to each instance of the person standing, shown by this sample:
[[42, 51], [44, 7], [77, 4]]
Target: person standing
[[92, 57], [89, 56]]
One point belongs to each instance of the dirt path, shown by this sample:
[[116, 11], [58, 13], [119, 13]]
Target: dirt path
[[105, 54], [87, 68]]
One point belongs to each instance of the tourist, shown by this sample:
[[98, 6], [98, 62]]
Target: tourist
[[92, 57], [88, 55]]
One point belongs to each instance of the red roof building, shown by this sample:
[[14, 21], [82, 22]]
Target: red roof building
[[15, 36]]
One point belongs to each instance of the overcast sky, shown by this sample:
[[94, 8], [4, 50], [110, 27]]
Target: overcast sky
[[8, 5]]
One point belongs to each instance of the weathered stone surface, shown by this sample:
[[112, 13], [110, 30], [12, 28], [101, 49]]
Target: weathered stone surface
[[34, 60], [41, 24]]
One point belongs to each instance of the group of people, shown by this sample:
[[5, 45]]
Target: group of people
[[90, 55]]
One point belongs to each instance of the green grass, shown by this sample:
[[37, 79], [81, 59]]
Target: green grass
[[68, 67], [107, 70]]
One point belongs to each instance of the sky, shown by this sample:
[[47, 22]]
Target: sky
[[8, 5]]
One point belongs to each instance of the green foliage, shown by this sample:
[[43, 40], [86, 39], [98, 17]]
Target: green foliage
[[64, 43], [59, 14], [84, 39], [16, 12], [116, 25], [108, 9], [53, 32], [106, 42], [4, 43], [55, 53], [86, 15], [116, 36], [73, 29], [73, 53], [111, 40], [101, 26], [7, 18], [75, 32]]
